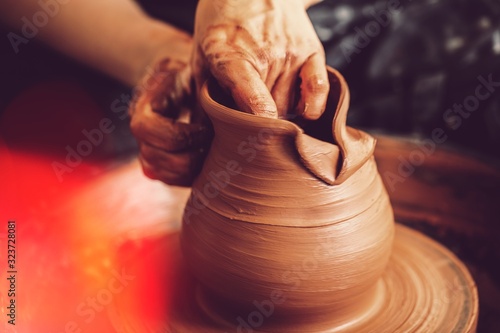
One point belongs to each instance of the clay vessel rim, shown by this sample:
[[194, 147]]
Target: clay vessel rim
[[354, 146], [228, 114]]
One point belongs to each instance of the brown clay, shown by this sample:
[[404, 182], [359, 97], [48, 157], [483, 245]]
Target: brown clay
[[300, 223], [424, 289], [296, 214]]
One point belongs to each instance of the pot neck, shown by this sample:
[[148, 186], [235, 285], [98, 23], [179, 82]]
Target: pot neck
[[328, 149]]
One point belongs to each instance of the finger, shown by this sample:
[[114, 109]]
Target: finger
[[283, 92], [276, 66], [179, 162], [152, 171], [314, 87], [165, 87], [165, 133], [200, 71], [171, 168], [246, 86], [165, 105], [201, 75]]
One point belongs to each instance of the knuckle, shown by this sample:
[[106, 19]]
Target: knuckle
[[261, 57], [167, 66], [167, 175], [180, 137], [147, 153], [215, 36], [317, 84], [137, 103], [282, 56], [178, 162], [292, 54], [179, 178], [138, 126], [148, 170]]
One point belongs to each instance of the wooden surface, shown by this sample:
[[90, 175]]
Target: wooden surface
[[453, 197], [449, 189]]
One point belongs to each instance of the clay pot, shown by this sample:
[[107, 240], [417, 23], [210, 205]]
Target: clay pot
[[285, 218]]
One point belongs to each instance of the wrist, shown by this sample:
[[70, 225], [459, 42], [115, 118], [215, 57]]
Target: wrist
[[162, 41]]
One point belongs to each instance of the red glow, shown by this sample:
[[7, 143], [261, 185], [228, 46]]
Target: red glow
[[72, 247]]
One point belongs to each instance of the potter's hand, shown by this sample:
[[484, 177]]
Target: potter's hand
[[171, 149], [260, 51]]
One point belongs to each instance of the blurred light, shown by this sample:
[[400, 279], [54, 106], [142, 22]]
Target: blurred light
[[496, 42]]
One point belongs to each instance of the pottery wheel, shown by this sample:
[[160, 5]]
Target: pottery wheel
[[425, 288]]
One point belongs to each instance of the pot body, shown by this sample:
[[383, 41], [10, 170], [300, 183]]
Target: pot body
[[272, 219]]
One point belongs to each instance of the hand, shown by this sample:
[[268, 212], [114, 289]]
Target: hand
[[260, 51], [171, 148]]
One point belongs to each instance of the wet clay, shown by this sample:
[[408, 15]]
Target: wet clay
[[424, 289], [279, 201], [298, 224]]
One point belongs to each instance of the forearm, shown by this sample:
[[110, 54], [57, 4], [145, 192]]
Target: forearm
[[114, 36]]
